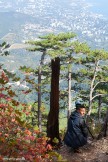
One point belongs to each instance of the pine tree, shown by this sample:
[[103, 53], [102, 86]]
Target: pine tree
[[72, 56], [54, 46], [94, 75], [3, 49]]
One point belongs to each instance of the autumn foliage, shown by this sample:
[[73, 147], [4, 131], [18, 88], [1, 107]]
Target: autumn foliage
[[18, 139]]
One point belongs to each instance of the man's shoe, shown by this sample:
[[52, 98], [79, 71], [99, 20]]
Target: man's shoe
[[77, 151]]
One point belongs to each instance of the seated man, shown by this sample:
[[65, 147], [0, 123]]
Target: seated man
[[76, 135]]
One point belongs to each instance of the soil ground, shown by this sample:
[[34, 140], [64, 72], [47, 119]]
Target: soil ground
[[95, 151]]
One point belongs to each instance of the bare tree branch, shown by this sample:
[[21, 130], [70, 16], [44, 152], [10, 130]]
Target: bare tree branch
[[99, 83], [99, 95]]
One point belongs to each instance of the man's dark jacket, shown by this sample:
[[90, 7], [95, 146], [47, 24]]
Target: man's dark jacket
[[76, 135]]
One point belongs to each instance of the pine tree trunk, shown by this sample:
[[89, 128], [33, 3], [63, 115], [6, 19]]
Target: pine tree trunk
[[39, 91], [53, 117], [103, 132], [39, 100], [90, 107], [69, 92], [99, 107], [92, 87], [90, 98]]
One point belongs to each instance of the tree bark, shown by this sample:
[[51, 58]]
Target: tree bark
[[53, 117]]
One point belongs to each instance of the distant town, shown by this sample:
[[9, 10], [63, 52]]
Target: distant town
[[27, 19]]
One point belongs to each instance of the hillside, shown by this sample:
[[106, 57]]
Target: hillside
[[27, 19]]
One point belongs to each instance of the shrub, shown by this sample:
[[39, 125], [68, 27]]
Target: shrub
[[17, 138]]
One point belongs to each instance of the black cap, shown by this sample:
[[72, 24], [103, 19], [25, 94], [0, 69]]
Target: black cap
[[79, 106]]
